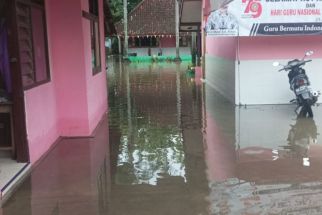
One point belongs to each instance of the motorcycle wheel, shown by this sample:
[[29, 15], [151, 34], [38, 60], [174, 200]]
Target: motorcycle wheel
[[309, 110], [306, 109]]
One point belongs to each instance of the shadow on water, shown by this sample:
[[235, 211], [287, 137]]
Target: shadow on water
[[172, 146]]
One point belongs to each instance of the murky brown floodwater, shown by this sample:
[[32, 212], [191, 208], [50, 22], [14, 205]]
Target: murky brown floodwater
[[171, 146]]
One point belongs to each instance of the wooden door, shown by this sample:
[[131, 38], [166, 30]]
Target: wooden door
[[15, 39]]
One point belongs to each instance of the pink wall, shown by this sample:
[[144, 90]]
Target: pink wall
[[261, 48], [224, 47], [96, 85], [41, 119], [206, 7], [74, 101], [167, 42], [68, 66], [275, 47]]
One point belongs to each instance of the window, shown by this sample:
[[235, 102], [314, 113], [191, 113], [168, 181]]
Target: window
[[93, 7], [95, 43], [93, 17], [32, 36]]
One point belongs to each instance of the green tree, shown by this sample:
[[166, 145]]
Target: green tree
[[116, 7], [132, 4]]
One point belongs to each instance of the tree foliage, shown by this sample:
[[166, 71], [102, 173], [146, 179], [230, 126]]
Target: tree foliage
[[117, 8]]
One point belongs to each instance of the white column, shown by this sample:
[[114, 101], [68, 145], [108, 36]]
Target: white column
[[177, 30], [126, 45]]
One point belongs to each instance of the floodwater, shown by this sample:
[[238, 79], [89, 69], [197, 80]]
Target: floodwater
[[172, 145]]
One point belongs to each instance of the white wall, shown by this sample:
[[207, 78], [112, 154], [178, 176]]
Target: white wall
[[259, 82], [254, 82]]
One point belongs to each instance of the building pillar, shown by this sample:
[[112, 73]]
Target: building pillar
[[177, 32], [126, 39], [193, 47]]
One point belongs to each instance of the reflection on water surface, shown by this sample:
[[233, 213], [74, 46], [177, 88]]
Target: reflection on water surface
[[156, 111], [173, 146], [151, 141]]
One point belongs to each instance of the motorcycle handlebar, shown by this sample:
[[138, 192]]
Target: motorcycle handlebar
[[299, 64]]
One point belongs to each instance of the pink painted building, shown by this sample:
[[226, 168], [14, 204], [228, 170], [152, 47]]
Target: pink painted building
[[56, 66]]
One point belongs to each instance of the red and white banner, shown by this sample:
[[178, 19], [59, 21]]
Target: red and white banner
[[269, 17]]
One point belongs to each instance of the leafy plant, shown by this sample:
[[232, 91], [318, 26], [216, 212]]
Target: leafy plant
[[116, 7]]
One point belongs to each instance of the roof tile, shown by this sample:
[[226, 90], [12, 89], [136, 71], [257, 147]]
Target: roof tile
[[150, 17]]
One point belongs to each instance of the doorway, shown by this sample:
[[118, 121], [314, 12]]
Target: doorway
[[12, 104]]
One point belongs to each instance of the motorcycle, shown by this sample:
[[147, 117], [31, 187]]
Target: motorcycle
[[300, 85]]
